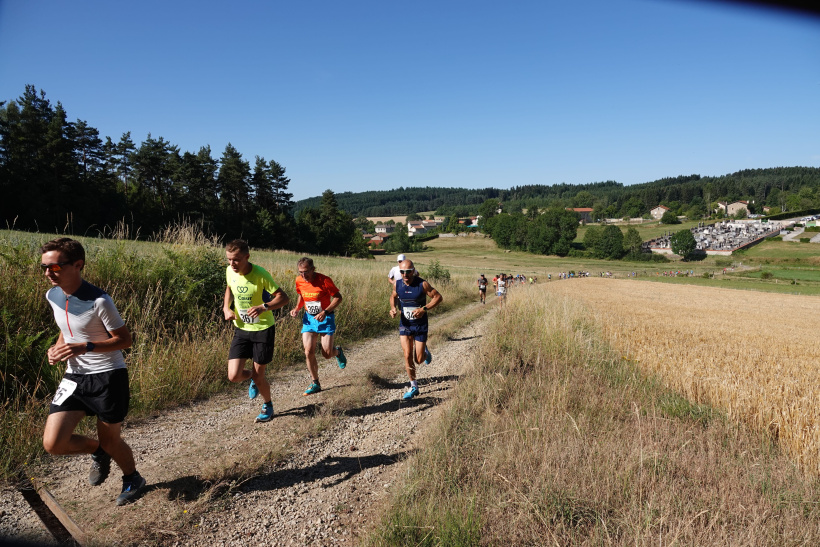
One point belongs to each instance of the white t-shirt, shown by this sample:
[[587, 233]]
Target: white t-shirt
[[88, 315], [394, 273]]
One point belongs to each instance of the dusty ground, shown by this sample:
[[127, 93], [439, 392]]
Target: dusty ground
[[328, 491]]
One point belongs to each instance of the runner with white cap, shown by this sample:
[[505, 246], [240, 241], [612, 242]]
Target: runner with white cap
[[394, 271]]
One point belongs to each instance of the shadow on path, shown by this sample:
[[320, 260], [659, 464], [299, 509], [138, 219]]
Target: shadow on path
[[340, 467], [390, 384]]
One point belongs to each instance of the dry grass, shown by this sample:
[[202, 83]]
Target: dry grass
[[554, 439], [754, 357]]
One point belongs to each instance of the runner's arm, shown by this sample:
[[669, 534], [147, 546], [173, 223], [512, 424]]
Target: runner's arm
[[119, 340], [335, 300], [280, 300], [393, 296], [299, 303], [226, 305], [433, 294]]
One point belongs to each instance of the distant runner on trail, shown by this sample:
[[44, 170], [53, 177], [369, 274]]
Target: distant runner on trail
[[394, 274], [482, 289], [92, 337], [502, 287], [411, 293], [320, 297], [250, 296]]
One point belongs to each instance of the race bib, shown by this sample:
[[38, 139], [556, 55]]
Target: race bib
[[64, 391], [408, 313], [313, 307], [247, 319]]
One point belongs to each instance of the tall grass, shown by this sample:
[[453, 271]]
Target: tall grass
[[169, 293], [554, 439]]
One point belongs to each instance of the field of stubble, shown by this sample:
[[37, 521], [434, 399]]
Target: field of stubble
[[753, 355]]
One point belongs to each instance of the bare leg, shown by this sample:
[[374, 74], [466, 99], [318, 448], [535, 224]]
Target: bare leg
[[420, 351], [262, 384], [328, 349], [59, 437], [112, 442], [309, 340], [237, 372], [407, 347]]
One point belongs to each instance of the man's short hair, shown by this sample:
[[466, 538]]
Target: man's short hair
[[305, 261], [238, 245], [71, 248]]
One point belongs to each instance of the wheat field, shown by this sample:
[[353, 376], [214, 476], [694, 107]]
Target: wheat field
[[753, 355]]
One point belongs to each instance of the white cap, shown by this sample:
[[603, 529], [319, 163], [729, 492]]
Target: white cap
[[401, 258]]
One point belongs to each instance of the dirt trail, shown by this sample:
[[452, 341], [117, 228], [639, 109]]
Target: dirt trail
[[325, 493]]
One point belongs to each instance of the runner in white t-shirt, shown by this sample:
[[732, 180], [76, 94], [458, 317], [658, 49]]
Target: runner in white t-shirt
[[92, 337], [394, 271]]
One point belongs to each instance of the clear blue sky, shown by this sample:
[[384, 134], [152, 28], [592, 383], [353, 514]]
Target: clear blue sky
[[367, 95]]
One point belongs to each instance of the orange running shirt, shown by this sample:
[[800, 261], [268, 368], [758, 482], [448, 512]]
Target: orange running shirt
[[321, 289]]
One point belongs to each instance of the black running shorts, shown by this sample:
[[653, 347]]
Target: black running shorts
[[105, 395], [255, 344]]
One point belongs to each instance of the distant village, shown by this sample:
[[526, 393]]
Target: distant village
[[720, 237], [414, 228]]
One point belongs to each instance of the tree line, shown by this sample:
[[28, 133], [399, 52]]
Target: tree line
[[695, 196], [62, 176]]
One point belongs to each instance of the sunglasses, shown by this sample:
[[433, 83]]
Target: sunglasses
[[406, 271], [54, 266]]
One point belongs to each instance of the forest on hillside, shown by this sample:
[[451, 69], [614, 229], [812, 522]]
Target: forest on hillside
[[781, 188]]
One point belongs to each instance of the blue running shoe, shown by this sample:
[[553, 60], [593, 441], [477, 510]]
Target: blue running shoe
[[412, 392], [131, 489], [340, 358], [267, 413], [428, 357], [313, 388], [253, 391]]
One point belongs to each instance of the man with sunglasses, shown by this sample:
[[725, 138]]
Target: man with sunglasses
[[92, 337], [320, 297], [250, 296], [411, 293]]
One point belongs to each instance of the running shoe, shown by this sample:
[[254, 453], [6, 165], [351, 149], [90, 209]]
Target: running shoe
[[131, 489], [313, 388], [100, 468], [428, 357], [253, 391], [340, 358], [412, 392], [267, 413]]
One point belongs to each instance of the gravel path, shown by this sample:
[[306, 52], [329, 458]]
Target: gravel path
[[328, 491]]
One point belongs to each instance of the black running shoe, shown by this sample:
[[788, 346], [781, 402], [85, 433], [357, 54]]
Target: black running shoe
[[131, 489], [100, 468]]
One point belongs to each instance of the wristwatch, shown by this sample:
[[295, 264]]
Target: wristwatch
[[424, 308], [89, 346]]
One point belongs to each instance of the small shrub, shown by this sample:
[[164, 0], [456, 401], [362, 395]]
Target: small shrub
[[766, 275], [438, 273]]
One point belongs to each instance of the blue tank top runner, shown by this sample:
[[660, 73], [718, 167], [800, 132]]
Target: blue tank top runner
[[411, 297]]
